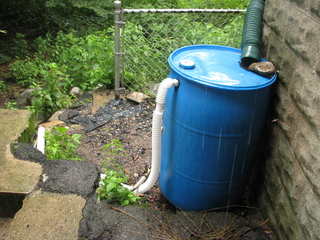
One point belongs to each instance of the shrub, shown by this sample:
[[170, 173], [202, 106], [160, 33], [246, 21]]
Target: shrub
[[64, 62]]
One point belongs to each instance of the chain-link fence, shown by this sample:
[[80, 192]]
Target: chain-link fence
[[148, 36]]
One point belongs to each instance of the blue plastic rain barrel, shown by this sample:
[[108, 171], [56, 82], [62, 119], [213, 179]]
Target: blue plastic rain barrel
[[212, 125]]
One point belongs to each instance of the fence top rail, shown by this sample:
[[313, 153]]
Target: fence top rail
[[184, 10]]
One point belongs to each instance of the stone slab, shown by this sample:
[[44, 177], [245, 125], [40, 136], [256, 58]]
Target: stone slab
[[16, 176], [47, 216]]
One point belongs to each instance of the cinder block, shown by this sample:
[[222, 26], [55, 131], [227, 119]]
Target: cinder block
[[305, 91], [303, 32], [288, 114], [284, 59], [315, 8], [303, 4], [306, 145], [275, 16], [281, 171]]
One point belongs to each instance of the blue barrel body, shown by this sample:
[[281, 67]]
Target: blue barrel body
[[212, 125]]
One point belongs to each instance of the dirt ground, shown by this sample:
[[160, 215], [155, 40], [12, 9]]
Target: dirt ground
[[134, 133], [161, 220]]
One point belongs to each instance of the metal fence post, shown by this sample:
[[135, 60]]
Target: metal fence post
[[117, 22]]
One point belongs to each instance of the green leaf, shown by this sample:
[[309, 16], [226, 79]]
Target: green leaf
[[125, 202], [110, 186], [95, 66], [76, 138], [61, 129]]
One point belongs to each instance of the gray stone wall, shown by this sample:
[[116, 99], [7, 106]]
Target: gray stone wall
[[291, 185]]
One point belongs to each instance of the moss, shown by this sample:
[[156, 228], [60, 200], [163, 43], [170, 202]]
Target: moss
[[29, 133]]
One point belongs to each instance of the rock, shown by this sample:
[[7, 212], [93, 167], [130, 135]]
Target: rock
[[52, 124], [25, 151], [70, 177], [137, 97], [85, 97], [263, 68], [68, 114], [75, 91], [25, 98], [56, 115]]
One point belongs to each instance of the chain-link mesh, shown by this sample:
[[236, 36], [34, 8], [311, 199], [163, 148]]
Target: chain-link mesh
[[150, 36]]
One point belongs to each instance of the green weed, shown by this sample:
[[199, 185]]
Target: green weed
[[60, 145], [63, 62], [110, 187], [3, 86]]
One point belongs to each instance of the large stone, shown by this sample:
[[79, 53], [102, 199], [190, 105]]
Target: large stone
[[137, 97], [47, 216], [68, 114], [55, 123], [25, 98], [70, 177], [16, 176], [56, 115]]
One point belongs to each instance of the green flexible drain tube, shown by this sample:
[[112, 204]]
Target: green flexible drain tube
[[252, 32]]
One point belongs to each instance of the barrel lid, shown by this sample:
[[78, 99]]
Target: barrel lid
[[217, 66]]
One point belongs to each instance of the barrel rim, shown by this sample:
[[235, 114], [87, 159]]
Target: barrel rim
[[207, 83]]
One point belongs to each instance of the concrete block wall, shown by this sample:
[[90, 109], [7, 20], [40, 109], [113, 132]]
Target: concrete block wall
[[290, 193]]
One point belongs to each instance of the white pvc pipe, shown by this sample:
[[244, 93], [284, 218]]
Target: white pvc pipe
[[40, 139], [142, 186]]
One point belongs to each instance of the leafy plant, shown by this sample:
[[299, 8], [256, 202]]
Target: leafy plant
[[52, 96], [11, 105], [114, 148], [60, 145], [2, 86], [64, 62], [110, 187]]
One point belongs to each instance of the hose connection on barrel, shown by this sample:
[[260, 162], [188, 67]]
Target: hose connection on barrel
[[144, 185]]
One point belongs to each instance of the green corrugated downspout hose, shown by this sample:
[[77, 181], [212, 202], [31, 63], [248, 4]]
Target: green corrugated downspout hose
[[252, 33]]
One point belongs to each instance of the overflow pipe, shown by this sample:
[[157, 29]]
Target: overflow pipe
[[40, 139], [143, 186]]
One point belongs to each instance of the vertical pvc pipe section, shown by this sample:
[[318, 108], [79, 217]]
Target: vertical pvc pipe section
[[156, 134], [40, 139], [252, 32]]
